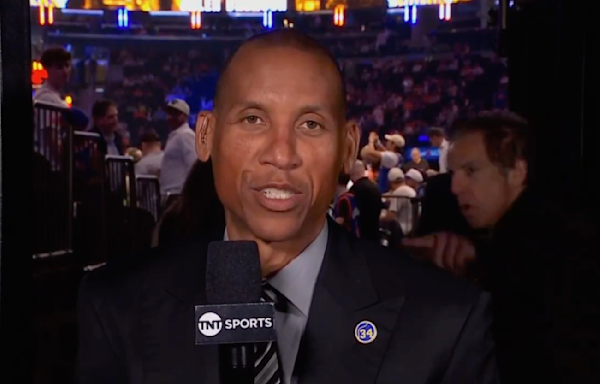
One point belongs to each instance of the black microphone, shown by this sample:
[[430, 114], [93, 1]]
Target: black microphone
[[235, 318]]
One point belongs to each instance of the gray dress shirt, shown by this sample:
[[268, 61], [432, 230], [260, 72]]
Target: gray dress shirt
[[296, 281]]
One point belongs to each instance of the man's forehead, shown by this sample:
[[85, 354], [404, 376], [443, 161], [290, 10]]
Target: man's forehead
[[281, 75]]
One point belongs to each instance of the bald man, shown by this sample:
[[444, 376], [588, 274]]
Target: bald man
[[348, 311]]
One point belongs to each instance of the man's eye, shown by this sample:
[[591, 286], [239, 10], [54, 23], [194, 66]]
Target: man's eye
[[311, 125], [253, 120]]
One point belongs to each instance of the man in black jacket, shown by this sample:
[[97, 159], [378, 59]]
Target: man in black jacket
[[355, 312], [540, 263]]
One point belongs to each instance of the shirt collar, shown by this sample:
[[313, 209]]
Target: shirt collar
[[296, 281], [182, 127]]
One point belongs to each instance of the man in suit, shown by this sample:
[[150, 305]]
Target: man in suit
[[539, 262], [355, 312]]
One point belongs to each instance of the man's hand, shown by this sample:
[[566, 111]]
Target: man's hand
[[373, 137], [445, 249]]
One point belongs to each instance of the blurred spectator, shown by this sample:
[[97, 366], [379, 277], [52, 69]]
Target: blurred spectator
[[400, 207], [416, 162], [180, 152], [57, 63], [438, 140], [368, 201], [106, 120], [152, 155]]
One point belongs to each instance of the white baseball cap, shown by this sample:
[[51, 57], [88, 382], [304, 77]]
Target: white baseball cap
[[395, 174], [180, 106], [415, 175], [398, 140]]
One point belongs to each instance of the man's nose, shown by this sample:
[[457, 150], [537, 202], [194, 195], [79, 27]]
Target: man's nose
[[281, 149], [458, 183]]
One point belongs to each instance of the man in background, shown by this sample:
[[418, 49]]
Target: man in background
[[438, 140], [539, 262], [180, 151], [106, 119], [368, 202], [57, 63], [388, 156], [152, 155], [400, 206], [416, 162]]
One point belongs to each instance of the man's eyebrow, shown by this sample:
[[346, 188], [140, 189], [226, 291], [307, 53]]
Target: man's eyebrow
[[257, 105]]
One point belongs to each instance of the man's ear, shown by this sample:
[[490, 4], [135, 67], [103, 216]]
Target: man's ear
[[350, 144], [518, 175], [205, 128]]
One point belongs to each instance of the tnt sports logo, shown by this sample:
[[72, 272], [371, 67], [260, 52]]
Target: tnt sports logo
[[210, 324], [365, 332]]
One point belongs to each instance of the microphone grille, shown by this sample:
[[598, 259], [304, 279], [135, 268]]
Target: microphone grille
[[233, 272]]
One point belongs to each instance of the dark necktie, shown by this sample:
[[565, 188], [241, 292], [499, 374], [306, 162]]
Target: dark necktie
[[266, 366]]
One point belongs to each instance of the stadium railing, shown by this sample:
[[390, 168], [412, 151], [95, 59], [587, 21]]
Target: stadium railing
[[409, 213], [121, 181], [52, 178], [148, 194]]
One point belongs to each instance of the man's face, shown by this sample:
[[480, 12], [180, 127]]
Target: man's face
[[110, 120], [436, 141], [278, 141], [59, 73], [175, 118], [484, 191], [415, 154], [390, 146]]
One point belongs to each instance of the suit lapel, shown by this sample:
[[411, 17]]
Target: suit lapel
[[344, 296]]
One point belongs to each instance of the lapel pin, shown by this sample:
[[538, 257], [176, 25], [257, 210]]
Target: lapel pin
[[365, 332]]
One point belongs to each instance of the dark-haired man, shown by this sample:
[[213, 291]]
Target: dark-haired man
[[278, 139], [57, 63], [539, 263], [106, 119], [438, 140]]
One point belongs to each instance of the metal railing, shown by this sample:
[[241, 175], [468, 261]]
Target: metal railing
[[148, 194], [408, 211], [52, 179]]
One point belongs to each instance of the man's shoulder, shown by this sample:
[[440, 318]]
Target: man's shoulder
[[123, 281]]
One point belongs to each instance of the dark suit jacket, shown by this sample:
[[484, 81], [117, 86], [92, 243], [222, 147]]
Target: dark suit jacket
[[137, 321], [103, 146]]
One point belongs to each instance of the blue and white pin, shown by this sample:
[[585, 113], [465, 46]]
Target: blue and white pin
[[365, 332]]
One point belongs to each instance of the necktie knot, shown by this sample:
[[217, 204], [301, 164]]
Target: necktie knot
[[272, 295]]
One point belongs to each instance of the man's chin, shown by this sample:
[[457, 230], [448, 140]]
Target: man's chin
[[275, 230]]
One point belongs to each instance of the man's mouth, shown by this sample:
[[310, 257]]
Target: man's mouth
[[276, 193]]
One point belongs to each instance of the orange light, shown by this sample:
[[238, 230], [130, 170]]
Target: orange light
[[50, 15], [338, 16], [42, 14], [196, 19], [69, 100], [38, 73]]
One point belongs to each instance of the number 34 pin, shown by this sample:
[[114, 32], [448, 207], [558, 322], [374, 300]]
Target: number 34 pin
[[365, 332]]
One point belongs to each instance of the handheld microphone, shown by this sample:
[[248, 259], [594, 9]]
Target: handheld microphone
[[235, 318]]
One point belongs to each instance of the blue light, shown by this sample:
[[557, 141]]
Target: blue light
[[406, 13], [414, 14], [268, 19], [123, 18]]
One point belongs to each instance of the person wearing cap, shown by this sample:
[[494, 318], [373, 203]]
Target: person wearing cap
[[400, 204], [388, 156], [414, 179], [180, 151], [152, 155]]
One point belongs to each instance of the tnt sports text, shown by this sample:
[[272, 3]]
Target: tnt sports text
[[210, 323]]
